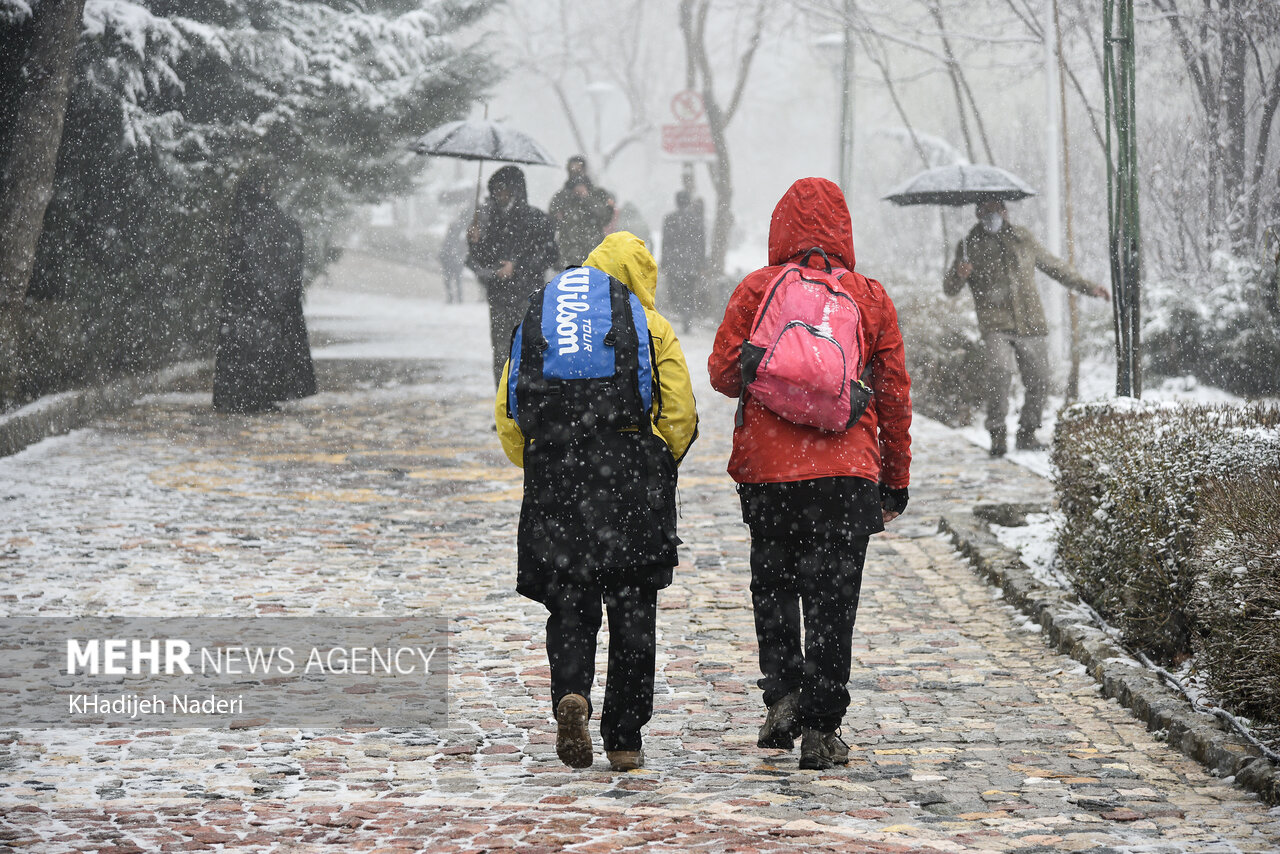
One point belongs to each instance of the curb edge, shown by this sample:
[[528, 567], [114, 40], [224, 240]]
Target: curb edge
[[1199, 736], [63, 412]]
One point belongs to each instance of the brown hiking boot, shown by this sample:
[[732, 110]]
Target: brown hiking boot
[[573, 742], [625, 760], [820, 750], [780, 725]]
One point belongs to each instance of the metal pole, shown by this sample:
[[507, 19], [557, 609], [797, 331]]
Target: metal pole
[[1053, 181], [1122, 193], [1073, 299]]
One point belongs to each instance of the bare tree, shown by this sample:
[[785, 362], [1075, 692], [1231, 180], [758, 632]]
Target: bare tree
[[36, 60], [591, 45], [1230, 50], [693, 27]]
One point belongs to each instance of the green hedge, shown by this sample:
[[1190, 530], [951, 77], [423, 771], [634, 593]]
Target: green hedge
[[1171, 516], [1236, 598]]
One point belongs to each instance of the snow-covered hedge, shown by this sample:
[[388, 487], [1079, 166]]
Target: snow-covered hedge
[[1236, 598], [1172, 532]]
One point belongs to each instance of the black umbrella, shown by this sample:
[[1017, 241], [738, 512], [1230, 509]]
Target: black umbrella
[[482, 139], [960, 184]]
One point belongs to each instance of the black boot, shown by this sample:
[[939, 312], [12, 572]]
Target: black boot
[[780, 725], [999, 443], [1026, 441]]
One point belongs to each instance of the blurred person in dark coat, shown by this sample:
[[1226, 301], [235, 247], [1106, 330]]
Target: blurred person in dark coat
[[511, 245], [684, 254], [453, 252], [262, 354], [581, 212]]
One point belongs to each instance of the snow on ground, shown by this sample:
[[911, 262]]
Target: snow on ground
[[1097, 382], [382, 326], [1035, 543], [36, 406]]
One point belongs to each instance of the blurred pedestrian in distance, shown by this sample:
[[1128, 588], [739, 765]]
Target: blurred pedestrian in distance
[[581, 212], [262, 355], [813, 497], [599, 431], [511, 245], [998, 261], [684, 258], [453, 252]]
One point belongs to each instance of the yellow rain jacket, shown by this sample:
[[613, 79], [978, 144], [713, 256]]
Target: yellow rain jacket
[[674, 413]]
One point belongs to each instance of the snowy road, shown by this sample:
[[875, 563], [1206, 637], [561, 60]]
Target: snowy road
[[387, 493]]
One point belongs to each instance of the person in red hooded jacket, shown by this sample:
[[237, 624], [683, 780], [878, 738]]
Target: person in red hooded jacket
[[812, 498]]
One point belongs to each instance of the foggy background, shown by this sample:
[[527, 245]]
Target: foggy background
[[173, 102]]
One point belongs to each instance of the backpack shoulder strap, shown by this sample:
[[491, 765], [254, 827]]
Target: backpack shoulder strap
[[527, 348], [624, 337]]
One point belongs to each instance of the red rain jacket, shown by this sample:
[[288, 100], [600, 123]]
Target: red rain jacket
[[766, 447]]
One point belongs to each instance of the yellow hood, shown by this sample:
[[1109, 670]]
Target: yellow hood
[[624, 256]]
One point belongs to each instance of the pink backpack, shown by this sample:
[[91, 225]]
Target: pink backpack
[[804, 358]]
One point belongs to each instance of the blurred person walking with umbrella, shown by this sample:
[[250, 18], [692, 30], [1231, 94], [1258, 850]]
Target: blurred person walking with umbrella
[[997, 260], [511, 246], [510, 243]]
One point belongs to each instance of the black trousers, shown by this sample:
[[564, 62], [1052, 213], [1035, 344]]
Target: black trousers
[[808, 546], [817, 579], [572, 626]]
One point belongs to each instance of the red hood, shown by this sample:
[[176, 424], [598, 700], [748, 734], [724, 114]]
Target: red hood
[[811, 213]]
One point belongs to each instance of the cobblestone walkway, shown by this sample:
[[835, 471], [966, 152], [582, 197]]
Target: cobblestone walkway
[[386, 494]]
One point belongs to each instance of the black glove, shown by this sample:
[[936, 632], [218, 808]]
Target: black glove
[[893, 500]]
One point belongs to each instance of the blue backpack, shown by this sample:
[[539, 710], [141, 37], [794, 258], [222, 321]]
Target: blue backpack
[[581, 360]]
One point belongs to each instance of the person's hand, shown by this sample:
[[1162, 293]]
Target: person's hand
[[505, 270], [1100, 291], [580, 190], [892, 502], [964, 269]]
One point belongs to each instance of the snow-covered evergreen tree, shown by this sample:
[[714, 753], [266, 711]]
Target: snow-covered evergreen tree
[[173, 100]]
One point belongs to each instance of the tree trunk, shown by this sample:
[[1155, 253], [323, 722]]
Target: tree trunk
[[693, 27], [722, 183], [35, 91], [1232, 144]]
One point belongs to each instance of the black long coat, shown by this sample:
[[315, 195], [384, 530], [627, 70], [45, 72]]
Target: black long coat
[[263, 355]]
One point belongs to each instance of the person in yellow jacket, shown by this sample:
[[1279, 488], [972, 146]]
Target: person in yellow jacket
[[600, 442]]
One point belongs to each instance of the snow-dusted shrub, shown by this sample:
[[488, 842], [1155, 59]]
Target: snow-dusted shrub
[[1130, 477], [943, 354], [1223, 326], [1236, 563]]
